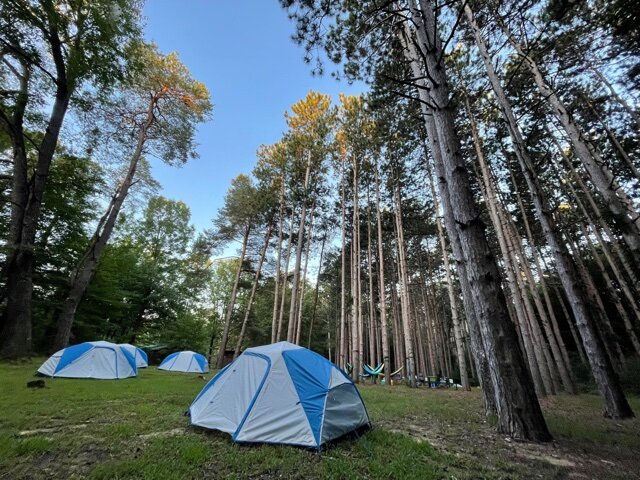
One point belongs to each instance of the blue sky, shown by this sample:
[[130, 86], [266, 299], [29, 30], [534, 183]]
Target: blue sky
[[243, 52]]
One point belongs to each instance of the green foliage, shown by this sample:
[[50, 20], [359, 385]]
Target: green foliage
[[187, 332], [91, 36]]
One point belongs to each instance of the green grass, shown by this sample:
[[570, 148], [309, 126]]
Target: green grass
[[136, 428]]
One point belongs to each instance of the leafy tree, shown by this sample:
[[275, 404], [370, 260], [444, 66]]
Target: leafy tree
[[161, 105], [49, 51]]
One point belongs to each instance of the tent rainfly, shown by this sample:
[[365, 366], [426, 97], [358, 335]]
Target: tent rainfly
[[140, 355], [281, 394], [102, 360], [187, 361]]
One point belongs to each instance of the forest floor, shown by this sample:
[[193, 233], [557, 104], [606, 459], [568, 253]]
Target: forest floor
[[135, 428]]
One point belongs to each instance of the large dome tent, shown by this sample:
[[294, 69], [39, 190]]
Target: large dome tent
[[101, 360], [282, 394], [139, 354], [186, 361]]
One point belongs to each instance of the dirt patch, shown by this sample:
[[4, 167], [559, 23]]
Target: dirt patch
[[563, 457], [165, 433], [38, 431]]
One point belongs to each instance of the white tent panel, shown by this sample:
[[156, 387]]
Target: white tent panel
[[280, 393], [225, 405], [48, 368], [337, 378], [137, 353], [277, 416], [187, 361], [101, 360]]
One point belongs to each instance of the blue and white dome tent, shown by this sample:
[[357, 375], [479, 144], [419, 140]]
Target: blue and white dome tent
[[102, 360], [142, 361], [187, 361], [281, 394]]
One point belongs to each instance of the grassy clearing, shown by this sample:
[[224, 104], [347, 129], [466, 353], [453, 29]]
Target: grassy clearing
[[135, 428]]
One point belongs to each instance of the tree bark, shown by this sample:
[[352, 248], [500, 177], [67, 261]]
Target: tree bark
[[404, 291], [298, 323], [27, 193], [521, 318], [381, 285], [519, 413], [315, 296], [299, 249], [619, 203], [613, 294], [457, 330], [286, 276], [86, 267], [343, 275], [616, 405], [615, 95], [232, 301], [276, 286], [254, 287], [372, 308]]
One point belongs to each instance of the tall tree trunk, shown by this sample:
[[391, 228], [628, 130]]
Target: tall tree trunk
[[612, 138], [298, 323], [521, 318], [619, 203], [398, 343], [299, 248], [15, 326], [315, 295], [519, 413], [429, 313], [616, 404], [603, 326], [252, 295], [404, 291], [26, 201], [457, 330], [356, 287], [555, 334], [86, 267], [343, 276], [613, 293], [605, 228], [232, 300], [630, 110], [480, 356], [381, 285], [276, 286], [286, 276], [372, 307]]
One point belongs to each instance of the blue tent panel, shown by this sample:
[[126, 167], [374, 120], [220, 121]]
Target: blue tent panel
[[310, 374], [70, 354], [143, 354], [201, 361], [130, 358]]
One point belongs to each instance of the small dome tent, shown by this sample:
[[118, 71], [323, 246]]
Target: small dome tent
[[283, 394], [140, 355], [102, 360], [187, 361]]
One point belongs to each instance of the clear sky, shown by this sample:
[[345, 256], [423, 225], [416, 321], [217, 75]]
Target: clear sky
[[243, 52]]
